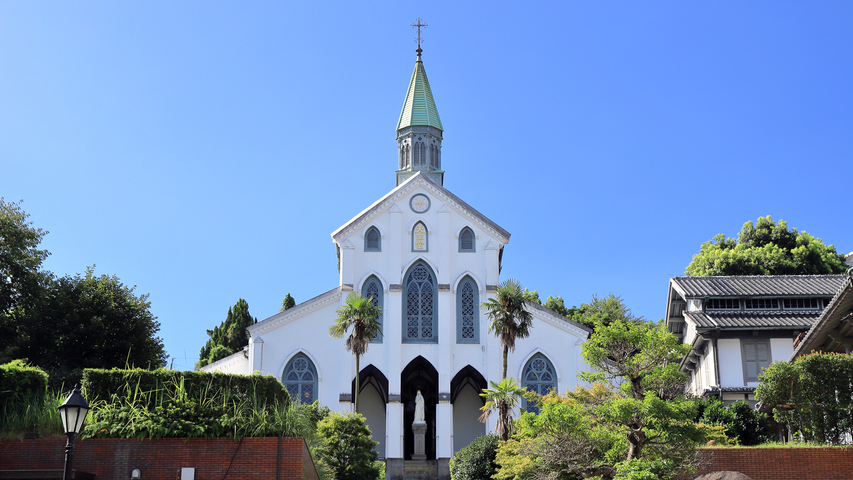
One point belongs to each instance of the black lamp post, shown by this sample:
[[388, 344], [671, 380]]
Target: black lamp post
[[73, 412]]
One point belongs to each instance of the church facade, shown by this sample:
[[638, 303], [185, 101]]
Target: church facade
[[429, 260]]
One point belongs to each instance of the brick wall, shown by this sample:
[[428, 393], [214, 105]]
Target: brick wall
[[827, 463], [268, 458]]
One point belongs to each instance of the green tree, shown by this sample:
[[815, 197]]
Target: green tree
[[475, 461], [90, 321], [766, 248], [21, 277], [229, 337], [603, 311], [558, 306], [501, 399], [288, 302], [510, 320], [348, 446], [361, 316]]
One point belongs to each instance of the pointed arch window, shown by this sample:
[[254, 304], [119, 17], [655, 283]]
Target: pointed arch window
[[421, 305], [539, 376], [417, 154], [300, 379], [420, 238], [467, 321], [372, 289], [466, 240], [372, 240]]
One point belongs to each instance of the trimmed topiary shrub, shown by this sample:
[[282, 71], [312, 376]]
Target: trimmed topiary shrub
[[17, 379], [477, 460]]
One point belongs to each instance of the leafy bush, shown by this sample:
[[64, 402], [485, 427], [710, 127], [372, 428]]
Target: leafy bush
[[477, 460], [742, 423], [348, 446], [17, 378], [812, 395]]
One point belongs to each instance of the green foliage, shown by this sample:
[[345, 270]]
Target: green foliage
[[57, 332], [229, 337], [603, 311], [766, 248], [32, 412], [510, 319], [348, 446], [288, 302], [361, 316], [502, 398], [476, 461], [532, 296], [100, 384], [312, 414], [812, 395], [641, 356], [558, 306], [743, 425], [174, 411], [20, 271], [17, 378]]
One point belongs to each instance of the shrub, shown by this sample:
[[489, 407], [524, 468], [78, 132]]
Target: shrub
[[348, 446], [742, 423], [477, 460], [18, 379]]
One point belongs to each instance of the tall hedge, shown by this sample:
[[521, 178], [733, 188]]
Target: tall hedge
[[813, 395], [17, 379], [101, 384]]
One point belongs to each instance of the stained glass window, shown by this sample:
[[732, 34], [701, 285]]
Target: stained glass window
[[419, 312], [372, 240], [539, 377], [372, 289], [467, 322], [300, 379]]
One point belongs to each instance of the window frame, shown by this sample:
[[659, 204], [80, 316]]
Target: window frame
[[524, 382], [372, 281], [473, 248], [404, 313], [311, 369], [367, 247], [467, 282], [745, 343], [426, 236]]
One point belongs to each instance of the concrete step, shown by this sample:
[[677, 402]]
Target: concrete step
[[419, 470]]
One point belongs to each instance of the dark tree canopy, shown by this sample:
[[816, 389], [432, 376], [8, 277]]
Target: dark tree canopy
[[21, 278], [288, 302], [766, 248], [90, 321], [229, 337]]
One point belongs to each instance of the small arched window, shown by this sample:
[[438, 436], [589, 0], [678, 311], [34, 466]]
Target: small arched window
[[300, 379], [372, 289], [467, 322], [372, 240], [466, 240], [539, 376], [417, 155], [420, 238], [420, 305]]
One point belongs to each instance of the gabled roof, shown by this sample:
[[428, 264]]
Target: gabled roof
[[293, 313], [556, 317], [758, 285], [419, 107], [753, 320], [421, 180], [836, 323]]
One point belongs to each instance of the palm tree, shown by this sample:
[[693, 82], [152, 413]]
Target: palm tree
[[359, 314], [502, 398], [509, 318]]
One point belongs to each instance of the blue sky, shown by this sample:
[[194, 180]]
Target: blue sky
[[205, 150]]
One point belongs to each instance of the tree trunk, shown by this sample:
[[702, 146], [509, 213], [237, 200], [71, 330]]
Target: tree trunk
[[503, 372], [636, 440], [355, 395]]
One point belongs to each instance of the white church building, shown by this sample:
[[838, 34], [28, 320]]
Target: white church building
[[430, 260]]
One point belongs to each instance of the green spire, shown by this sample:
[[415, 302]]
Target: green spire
[[419, 107]]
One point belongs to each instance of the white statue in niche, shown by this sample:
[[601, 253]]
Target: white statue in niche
[[419, 408]]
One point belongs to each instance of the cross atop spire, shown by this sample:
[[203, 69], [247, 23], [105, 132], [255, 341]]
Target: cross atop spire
[[419, 23]]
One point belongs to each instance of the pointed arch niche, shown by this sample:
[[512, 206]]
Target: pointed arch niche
[[420, 237], [467, 240], [467, 311], [372, 240], [372, 399], [465, 396], [300, 379], [420, 305]]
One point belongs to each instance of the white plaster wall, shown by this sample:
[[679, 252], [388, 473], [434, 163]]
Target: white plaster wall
[[731, 366], [236, 364], [781, 349], [466, 411]]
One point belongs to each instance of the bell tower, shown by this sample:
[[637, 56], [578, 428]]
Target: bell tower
[[419, 130]]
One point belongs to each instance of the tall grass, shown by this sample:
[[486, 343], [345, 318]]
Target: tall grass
[[22, 414]]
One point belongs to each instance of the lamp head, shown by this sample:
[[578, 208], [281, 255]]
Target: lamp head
[[73, 412]]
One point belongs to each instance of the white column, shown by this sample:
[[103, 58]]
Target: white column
[[394, 429], [444, 429]]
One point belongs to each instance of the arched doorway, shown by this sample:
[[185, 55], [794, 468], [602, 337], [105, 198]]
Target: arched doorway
[[419, 374], [465, 389], [372, 399]]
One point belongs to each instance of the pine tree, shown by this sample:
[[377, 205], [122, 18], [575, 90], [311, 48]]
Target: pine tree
[[288, 302], [229, 337]]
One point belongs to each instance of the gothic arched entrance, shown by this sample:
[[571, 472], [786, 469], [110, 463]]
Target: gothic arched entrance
[[465, 396], [372, 400], [419, 374]]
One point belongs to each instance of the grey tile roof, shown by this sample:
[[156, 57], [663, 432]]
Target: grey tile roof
[[753, 319], [760, 285], [830, 320]]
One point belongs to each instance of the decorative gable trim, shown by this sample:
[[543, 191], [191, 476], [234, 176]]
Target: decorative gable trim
[[292, 314]]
